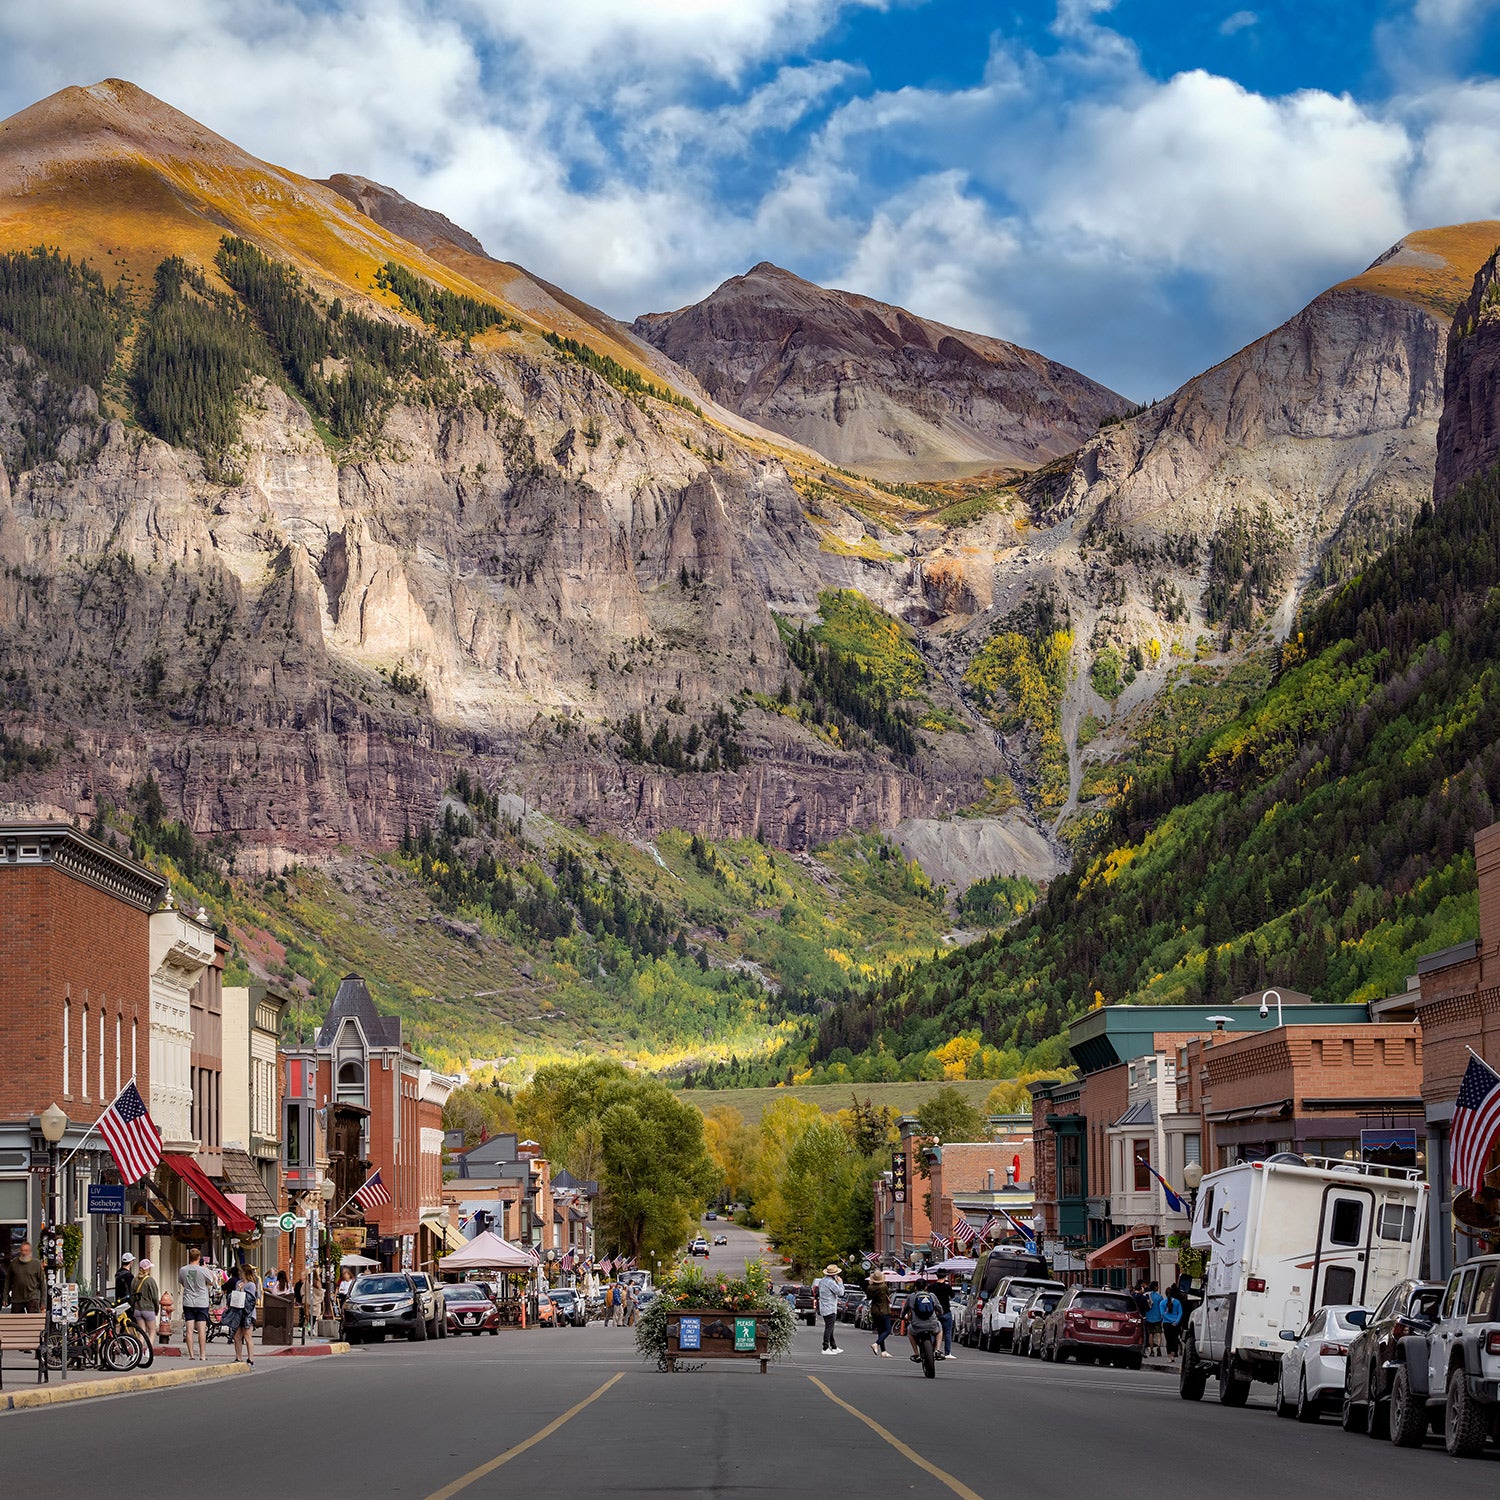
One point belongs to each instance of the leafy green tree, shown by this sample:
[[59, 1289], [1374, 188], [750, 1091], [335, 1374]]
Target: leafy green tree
[[950, 1117], [825, 1204]]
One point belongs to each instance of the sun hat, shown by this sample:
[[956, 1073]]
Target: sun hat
[[830, 1270]]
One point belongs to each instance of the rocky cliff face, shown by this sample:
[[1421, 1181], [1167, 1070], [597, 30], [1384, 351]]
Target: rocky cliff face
[[873, 387], [1468, 439]]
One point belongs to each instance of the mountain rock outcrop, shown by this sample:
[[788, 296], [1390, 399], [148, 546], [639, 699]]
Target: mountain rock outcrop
[[873, 387], [1468, 439]]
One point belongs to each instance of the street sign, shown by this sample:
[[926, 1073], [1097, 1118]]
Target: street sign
[[272, 1221], [744, 1335], [1143, 1242], [898, 1176], [106, 1199], [291, 1222], [690, 1333]]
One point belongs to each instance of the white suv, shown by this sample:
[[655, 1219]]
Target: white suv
[[1000, 1311]]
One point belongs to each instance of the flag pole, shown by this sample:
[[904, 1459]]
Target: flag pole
[[1477, 1058], [352, 1196]]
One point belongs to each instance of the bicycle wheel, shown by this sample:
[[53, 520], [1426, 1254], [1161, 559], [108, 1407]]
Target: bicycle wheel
[[53, 1350], [120, 1352], [147, 1354]]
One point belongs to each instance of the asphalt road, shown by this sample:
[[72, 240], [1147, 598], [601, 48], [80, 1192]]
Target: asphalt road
[[490, 1417]]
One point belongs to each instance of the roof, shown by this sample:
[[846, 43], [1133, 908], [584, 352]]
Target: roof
[[353, 1003], [1142, 1112], [565, 1181], [239, 1176], [64, 848], [1112, 1034]]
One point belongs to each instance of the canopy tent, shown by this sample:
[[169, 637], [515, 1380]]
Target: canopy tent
[[357, 1260], [487, 1252], [1120, 1254], [958, 1263]]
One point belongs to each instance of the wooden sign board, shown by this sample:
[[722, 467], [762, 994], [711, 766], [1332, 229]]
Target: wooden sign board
[[713, 1333]]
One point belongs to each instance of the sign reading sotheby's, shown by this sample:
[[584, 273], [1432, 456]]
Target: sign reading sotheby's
[[106, 1199]]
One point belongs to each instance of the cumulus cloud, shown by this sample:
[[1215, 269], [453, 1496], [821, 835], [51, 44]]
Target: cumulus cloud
[[1140, 227]]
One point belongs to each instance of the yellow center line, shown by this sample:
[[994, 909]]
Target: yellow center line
[[465, 1480], [941, 1475]]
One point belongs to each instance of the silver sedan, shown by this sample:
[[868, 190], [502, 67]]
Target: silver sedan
[[1312, 1365]]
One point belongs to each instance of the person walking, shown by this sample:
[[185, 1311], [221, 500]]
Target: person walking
[[27, 1290], [197, 1293], [125, 1278], [880, 1311], [146, 1298], [1151, 1319], [1171, 1319], [609, 1306], [829, 1289], [240, 1293]]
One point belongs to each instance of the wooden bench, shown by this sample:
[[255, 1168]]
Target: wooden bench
[[24, 1333]]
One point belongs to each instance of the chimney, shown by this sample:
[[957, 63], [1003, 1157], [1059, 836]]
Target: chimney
[[1487, 861]]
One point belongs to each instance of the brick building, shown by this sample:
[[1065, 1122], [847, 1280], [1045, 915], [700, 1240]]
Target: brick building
[[360, 1071], [1458, 1007], [75, 969]]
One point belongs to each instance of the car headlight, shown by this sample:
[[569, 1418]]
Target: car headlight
[[403, 1306]]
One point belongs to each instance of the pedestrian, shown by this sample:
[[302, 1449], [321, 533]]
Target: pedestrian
[[346, 1283], [1171, 1319], [125, 1278], [28, 1281], [239, 1312], [632, 1306], [146, 1299], [829, 1289], [1151, 1319], [880, 1311], [940, 1289], [609, 1306], [197, 1293]]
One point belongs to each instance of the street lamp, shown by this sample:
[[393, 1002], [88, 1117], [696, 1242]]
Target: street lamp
[[54, 1126], [1192, 1179]]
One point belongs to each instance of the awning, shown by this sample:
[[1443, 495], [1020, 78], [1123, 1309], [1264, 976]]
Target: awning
[[447, 1233], [1117, 1254], [487, 1252], [239, 1176], [210, 1196]]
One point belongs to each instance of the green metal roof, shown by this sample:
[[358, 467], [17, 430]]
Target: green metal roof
[[1117, 1033]]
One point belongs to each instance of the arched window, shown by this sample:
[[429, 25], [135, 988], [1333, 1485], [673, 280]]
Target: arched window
[[118, 1084], [83, 1053], [101, 1051], [351, 1082], [134, 1027], [67, 1043]]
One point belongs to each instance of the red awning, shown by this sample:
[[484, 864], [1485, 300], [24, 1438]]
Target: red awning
[[1117, 1253], [223, 1210]]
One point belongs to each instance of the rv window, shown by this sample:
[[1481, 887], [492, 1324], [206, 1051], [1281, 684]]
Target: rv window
[[1482, 1307], [1346, 1222], [1397, 1221], [1338, 1285], [1208, 1208]]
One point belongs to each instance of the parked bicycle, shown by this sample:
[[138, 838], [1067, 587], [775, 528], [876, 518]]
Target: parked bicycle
[[104, 1338]]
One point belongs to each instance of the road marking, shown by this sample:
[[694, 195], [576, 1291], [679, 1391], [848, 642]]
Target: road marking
[[465, 1480], [941, 1475]]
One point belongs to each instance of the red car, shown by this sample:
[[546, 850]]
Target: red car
[[1092, 1323], [471, 1309]]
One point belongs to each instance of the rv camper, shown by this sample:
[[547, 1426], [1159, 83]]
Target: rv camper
[[1285, 1237]]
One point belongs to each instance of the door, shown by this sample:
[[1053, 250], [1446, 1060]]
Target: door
[[1341, 1267]]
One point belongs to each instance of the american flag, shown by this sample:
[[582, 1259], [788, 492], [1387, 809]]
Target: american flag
[[606, 1266], [373, 1194], [1476, 1123], [567, 1261], [963, 1232], [132, 1138], [942, 1245]]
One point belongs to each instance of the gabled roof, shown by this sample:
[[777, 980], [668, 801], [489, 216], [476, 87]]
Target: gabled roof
[[1142, 1112], [353, 1003], [567, 1182]]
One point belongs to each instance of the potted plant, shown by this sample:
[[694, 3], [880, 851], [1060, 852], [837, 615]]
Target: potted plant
[[722, 1306]]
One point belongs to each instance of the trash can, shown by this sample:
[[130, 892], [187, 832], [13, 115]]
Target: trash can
[[278, 1318]]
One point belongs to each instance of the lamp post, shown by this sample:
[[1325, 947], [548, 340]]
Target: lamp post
[[326, 1190], [54, 1126], [1192, 1179]]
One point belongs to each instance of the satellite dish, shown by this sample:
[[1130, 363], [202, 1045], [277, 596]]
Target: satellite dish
[[1478, 1213]]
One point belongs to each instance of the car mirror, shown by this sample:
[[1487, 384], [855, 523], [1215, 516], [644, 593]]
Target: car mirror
[[1359, 1318], [1288, 1335]]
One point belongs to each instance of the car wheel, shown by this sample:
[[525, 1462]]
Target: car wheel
[[1284, 1408], [1466, 1423], [1351, 1414], [418, 1334], [1192, 1378], [1133, 1362], [1307, 1409], [1408, 1413], [1234, 1388], [1377, 1413], [442, 1328]]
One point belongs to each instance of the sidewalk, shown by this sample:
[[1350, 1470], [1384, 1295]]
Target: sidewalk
[[171, 1367]]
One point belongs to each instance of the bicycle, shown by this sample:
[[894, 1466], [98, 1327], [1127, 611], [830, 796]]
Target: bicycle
[[103, 1338]]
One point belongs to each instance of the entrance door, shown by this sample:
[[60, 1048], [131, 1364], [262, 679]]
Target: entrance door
[[1342, 1266]]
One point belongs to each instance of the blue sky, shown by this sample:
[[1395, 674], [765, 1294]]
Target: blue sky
[[1135, 188]]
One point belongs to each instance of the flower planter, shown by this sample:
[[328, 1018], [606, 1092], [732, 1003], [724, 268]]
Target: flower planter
[[695, 1333]]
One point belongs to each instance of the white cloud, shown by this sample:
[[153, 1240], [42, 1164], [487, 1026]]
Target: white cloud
[[1241, 20]]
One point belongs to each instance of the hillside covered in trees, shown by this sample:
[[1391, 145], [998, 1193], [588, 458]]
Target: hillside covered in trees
[[1319, 840]]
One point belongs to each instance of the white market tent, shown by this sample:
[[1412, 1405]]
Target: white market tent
[[487, 1252]]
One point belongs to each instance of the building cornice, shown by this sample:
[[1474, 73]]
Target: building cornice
[[63, 847]]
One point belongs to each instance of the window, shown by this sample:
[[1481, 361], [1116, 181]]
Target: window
[[1192, 1150], [1346, 1221], [1338, 1284], [67, 1043], [117, 1052], [1206, 1216], [1450, 1297], [101, 1051], [1070, 1166], [1140, 1159], [83, 1054], [1465, 1296], [1481, 1306], [1397, 1221]]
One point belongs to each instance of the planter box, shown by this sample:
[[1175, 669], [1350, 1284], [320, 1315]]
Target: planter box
[[716, 1333]]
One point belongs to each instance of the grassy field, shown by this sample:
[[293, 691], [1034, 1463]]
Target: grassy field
[[829, 1097]]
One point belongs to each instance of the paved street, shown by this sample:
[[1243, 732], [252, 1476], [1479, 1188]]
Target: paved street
[[429, 1421]]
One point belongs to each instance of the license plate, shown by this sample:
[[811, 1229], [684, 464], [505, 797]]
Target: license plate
[[471, 1318], [1109, 1327], [377, 1322]]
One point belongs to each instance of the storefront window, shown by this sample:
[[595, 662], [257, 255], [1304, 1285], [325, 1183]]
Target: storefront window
[[1070, 1167]]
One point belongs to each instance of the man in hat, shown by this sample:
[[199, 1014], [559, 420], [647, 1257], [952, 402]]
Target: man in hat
[[125, 1278], [829, 1289]]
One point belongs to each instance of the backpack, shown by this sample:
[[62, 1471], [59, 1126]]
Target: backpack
[[924, 1305]]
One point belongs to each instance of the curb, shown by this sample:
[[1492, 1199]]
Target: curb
[[84, 1390], [304, 1351]]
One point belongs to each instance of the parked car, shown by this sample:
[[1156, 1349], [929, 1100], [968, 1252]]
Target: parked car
[[1089, 1324], [388, 1302], [1312, 1367], [645, 1297], [850, 1303], [998, 1321], [470, 1309], [1450, 1374], [1409, 1307], [546, 1311], [432, 1304], [570, 1308], [806, 1306], [991, 1268], [1036, 1307]]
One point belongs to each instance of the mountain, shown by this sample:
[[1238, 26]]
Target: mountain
[[873, 387], [1468, 440]]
